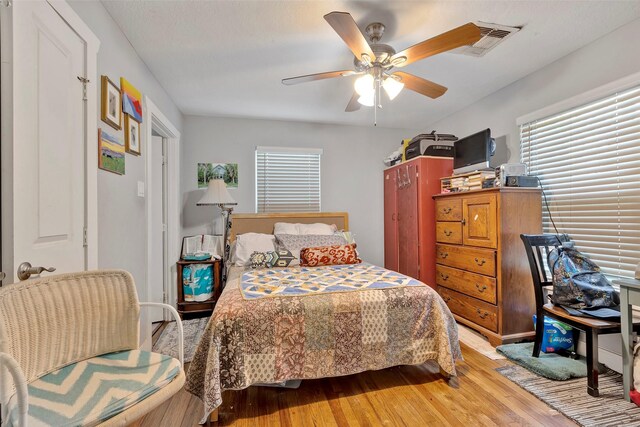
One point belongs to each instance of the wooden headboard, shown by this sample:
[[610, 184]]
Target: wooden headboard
[[264, 222]]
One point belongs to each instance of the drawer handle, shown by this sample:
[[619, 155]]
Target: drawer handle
[[447, 299], [481, 288], [481, 314], [480, 262], [446, 210], [444, 276], [448, 233], [444, 254]]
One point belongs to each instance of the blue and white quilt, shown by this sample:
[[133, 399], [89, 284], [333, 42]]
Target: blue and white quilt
[[301, 281]]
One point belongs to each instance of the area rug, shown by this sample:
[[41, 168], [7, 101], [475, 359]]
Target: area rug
[[168, 341], [571, 399], [549, 365], [477, 342]]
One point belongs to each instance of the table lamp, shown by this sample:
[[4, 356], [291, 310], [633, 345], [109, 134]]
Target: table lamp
[[218, 195]]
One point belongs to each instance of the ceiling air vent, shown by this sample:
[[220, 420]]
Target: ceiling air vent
[[492, 35]]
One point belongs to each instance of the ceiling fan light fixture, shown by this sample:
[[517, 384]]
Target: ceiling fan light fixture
[[367, 99], [392, 86], [364, 85]]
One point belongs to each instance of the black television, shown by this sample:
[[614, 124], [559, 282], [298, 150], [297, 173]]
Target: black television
[[473, 152]]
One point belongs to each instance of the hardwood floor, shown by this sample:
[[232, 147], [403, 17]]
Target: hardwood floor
[[399, 396]]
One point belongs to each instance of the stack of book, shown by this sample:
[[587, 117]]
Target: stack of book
[[468, 181], [474, 181]]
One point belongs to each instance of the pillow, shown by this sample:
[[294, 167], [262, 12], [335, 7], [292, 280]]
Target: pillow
[[279, 258], [248, 243], [348, 236], [258, 259], [294, 243], [285, 228], [317, 228], [291, 228], [329, 255]]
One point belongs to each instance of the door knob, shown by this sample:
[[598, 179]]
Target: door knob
[[25, 270]]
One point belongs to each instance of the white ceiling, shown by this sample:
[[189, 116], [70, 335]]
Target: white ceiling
[[227, 58]]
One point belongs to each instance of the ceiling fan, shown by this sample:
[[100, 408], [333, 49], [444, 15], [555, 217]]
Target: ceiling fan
[[375, 61]]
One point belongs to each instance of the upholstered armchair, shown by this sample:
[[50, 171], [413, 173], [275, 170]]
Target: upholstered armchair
[[69, 352]]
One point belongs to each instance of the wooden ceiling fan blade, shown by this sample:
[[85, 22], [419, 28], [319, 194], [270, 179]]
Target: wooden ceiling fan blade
[[344, 24], [317, 76], [353, 104], [420, 85], [461, 36]]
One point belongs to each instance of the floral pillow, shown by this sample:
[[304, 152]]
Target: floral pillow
[[329, 255], [294, 243]]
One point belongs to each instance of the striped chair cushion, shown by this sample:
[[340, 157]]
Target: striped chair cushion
[[94, 390]]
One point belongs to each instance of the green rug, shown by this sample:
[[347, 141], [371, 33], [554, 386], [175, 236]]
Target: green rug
[[549, 365]]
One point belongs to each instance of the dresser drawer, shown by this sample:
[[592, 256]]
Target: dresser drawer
[[481, 261], [472, 284], [449, 232], [448, 209], [477, 311]]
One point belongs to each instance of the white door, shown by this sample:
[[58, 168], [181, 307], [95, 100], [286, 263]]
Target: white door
[[157, 257], [48, 135]]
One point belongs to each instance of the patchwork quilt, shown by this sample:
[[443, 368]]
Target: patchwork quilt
[[299, 281], [319, 334]]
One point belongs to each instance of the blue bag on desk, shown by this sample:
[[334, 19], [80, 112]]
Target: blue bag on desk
[[197, 282], [556, 336]]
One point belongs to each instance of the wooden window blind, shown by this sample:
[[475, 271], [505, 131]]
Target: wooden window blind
[[287, 179], [588, 161]]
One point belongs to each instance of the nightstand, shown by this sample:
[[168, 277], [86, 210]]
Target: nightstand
[[199, 308]]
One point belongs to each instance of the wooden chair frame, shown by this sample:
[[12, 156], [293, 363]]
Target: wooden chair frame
[[592, 327]]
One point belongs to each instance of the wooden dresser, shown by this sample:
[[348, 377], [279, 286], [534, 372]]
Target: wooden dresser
[[482, 270]]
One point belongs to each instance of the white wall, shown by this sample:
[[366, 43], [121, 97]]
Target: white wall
[[603, 61], [121, 213], [351, 171]]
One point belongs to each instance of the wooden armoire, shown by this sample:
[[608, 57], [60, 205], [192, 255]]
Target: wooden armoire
[[409, 216]]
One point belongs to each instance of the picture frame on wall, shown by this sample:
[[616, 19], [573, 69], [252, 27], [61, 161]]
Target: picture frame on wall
[[111, 103], [132, 139], [110, 152]]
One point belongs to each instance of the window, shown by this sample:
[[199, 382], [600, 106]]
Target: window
[[287, 179], [588, 161]]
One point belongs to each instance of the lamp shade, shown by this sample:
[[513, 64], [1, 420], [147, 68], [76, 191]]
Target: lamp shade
[[216, 194]]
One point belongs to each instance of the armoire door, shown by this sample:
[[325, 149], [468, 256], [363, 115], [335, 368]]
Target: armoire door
[[390, 220], [409, 260]]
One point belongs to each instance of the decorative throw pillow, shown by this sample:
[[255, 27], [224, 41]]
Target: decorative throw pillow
[[294, 243], [329, 255], [258, 259], [280, 258]]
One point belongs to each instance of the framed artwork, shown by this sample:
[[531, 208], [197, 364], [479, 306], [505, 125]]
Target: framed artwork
[[110, 152], [111, 104], [131, 100], [131, 136], [226, 171]]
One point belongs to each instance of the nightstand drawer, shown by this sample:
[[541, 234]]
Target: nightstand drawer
[[449, 210], [480, 312], [481, 261], [472, 284], [449, 232]]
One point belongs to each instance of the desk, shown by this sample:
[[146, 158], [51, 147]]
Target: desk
[[629, 296]]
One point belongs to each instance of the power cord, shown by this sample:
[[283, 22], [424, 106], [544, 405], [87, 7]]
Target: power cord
[[546, 203]]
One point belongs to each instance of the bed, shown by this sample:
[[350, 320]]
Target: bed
[[325, 333]]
